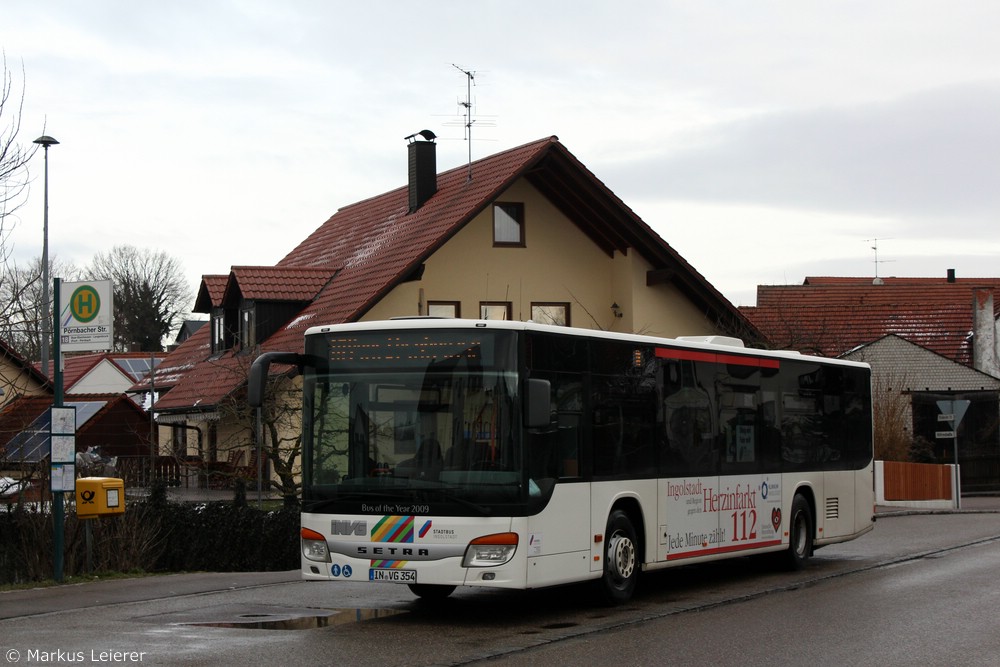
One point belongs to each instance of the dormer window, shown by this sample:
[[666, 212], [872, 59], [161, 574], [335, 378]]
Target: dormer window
[[219, 344], [248, 329], [508, 224]]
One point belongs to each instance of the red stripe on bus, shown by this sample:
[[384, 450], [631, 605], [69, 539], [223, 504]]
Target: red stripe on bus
[[685, 355], [723, 550], [714, 357]]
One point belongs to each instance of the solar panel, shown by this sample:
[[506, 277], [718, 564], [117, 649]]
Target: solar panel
[[32, 444], [137, 368]]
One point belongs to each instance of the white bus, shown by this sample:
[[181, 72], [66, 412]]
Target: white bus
[[445, 452]]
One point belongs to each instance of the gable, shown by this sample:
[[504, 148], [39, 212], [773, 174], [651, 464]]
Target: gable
[[103, 378], [558, 264], [18, 377], [908, 367]]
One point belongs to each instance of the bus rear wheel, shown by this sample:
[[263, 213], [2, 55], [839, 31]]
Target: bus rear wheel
[[621, 559], [431, 591], [800, 534]]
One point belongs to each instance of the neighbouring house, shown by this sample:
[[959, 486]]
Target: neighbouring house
[[110, 423], [186, 330], [18, 377], [528, 233], [95, 385], [106, 372], [930, 341]]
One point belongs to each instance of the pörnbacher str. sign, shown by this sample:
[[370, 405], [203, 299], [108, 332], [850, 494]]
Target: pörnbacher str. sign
[[86, 316]]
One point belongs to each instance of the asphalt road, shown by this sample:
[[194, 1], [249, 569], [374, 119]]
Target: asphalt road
[[915, 590]]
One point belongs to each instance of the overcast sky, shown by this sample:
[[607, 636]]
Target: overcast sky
[[765, 141]]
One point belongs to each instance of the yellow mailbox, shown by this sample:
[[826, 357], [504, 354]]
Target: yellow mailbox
[[99, 496]]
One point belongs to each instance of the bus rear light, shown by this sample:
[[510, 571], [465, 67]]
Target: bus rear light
[[490, 550], [314, 546]]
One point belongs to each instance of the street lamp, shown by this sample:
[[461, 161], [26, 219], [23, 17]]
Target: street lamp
[[46, 141]]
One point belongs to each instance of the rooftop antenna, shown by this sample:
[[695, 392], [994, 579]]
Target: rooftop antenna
[[470, 78], [877, 261]]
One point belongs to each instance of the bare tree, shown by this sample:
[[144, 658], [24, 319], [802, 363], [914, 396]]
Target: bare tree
[[13, 156], [13, 188], [21, 310], [892, 416], [149, 291]]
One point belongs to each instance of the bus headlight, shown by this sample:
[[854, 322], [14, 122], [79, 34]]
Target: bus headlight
[[490, 550], [314, 546]]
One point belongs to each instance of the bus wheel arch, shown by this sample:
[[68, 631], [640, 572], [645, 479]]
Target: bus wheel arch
[[623, 552]]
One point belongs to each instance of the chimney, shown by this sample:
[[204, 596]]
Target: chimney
[[951, 275], [984, 338], [422, 168]]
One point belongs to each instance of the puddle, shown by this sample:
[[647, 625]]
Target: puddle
[[260, 617]]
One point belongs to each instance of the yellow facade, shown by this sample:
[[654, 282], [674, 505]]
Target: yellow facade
[[558, 264]]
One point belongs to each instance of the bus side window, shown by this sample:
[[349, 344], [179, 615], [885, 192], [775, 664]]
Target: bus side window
[[738, 387], [555, 452], [687, 418]]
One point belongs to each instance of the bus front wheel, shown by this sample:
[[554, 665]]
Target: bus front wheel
[[621, 559], [800, 534]]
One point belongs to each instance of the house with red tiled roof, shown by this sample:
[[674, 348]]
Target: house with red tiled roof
[[528, 233], [105, 372], [110, 423], [18, 377], [931, 341]]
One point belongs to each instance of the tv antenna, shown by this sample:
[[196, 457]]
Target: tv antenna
[[874, 247], [470, 79]]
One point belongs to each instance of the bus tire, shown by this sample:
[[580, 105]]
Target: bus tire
[[621, 559], [800, 534], [431, 591]]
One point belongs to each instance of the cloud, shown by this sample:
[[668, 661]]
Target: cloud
[[924, 157]]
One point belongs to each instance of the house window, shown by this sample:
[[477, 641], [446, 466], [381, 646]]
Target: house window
[[444, 308], [495, 310], [508, 224], [179, 438], [218, 330], [551, 313], [247, 330]]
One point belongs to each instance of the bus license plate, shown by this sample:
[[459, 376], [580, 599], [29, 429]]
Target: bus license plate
[[395, 576]]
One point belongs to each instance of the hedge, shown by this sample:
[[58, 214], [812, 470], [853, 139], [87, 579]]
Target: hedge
[[152, 535]]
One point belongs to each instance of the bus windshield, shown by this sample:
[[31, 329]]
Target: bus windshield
[[399, 422]]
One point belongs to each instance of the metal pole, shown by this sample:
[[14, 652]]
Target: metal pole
[[45, 141], [260, 455], [45, 271], [956, 484], [58, 512]]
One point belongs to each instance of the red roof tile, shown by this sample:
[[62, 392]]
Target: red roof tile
[[830, 316], [276, 283], [210, 293]]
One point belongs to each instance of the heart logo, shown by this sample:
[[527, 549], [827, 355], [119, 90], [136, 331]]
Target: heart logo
[[776, 518]]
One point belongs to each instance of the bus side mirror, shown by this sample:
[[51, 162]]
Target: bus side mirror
[[259, 370], [537, 403]]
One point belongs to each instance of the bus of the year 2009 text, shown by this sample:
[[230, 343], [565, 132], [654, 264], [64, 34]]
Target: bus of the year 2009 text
[[446, 452]]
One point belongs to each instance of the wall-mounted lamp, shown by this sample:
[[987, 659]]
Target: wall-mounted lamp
[[616, 309]]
